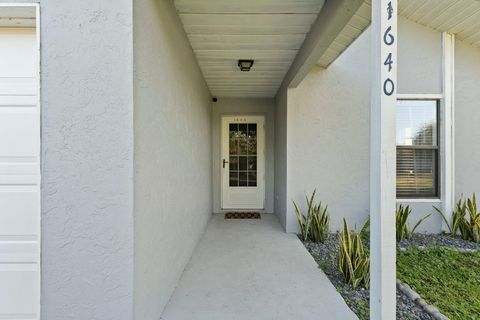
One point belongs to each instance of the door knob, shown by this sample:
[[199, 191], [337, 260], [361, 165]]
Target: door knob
[[224, 161]]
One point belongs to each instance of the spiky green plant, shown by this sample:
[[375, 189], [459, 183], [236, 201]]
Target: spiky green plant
[[315, 224], [353, 258], [465, 219], [320, 224], [365, 231], [401, 217], [302, 222], [473, 221]]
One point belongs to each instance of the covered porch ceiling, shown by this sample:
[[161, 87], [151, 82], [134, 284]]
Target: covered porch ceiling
[[287, 38], [460, 17], [270, 32]]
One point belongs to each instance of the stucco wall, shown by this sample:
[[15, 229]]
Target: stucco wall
[[328, 125], [467, 119], [87, 157], [172, 118], [246, 106], [419, 58]]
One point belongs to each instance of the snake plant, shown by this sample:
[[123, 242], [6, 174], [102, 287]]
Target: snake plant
[[314, 226], [401, 217], [465, 220], [353, 258]]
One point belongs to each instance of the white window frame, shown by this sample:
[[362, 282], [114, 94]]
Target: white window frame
[[439, 125]]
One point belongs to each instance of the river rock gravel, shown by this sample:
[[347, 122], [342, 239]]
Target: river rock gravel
[[439, 240]]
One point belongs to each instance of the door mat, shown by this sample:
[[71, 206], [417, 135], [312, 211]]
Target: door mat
[[243, 215]]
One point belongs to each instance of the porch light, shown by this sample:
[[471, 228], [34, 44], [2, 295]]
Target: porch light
[[245, 65]]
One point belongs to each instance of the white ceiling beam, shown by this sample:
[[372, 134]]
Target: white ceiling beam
[[243, 20], [333, 17], [242, 41], [245, 54], [248, 6]]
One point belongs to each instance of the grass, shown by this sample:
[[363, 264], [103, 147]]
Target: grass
[[445, 278]]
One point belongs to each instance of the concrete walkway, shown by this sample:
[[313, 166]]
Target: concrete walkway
[[252, 270]]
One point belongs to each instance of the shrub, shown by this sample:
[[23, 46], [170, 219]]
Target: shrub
[[365, 231], [353, 258], [315, 225], [465, 220], [401, 218]]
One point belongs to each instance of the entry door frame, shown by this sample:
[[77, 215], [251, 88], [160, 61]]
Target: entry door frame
[[259, 203]]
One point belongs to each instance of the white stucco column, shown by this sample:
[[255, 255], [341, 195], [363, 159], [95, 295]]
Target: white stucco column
[[383, 159]]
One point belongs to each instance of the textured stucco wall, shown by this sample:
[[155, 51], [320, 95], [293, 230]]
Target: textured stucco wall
[[173, 189], [246, 106], [87, 159], [328, 125], [467, 118], [328, 137], [419, 58]]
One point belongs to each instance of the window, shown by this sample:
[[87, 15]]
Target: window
[[417, 148]]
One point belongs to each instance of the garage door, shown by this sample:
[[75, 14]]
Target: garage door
[[19, 175]]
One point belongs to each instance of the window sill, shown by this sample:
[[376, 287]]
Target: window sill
[[419, 200]]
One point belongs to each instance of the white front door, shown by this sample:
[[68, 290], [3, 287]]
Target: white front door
[[19, 175], [243, 162]]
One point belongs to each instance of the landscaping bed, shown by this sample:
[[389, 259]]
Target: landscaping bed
[[325, 254], [446, 278], [438, 240]]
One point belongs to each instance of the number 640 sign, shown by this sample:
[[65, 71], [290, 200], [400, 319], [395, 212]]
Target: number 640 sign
[[389, 40]]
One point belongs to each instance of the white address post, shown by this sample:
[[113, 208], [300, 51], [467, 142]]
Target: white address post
[[383, 159]]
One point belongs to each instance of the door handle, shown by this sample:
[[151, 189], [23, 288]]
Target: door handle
[[224, 161]]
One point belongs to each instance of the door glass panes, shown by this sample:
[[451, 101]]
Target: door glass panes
[[243, 154]]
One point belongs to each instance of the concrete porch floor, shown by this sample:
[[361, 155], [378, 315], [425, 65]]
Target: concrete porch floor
[[252, 269]]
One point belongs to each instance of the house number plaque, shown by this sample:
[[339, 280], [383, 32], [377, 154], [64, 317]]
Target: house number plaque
[[240, 120], [389, 41]]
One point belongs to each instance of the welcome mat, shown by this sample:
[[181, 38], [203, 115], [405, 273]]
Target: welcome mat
[[243, 215]]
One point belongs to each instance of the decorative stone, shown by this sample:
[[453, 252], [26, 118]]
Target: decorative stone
[[415, 297], [431, 309], [439, 316]]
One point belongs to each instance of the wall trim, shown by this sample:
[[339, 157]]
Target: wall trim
[[419, 200], [447, 139], [420, 96]]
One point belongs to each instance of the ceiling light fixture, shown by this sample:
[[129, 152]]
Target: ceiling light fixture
[[245, 65]]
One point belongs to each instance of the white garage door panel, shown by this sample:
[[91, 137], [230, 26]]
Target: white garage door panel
[[18, 132], [21, 166], [19, 213], [17, 100], [23, 41], [19, 251], [18, 171], [18, 281], [18, 86], [19, 175]]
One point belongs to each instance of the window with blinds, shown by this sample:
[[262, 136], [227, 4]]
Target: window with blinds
[[417, 148]]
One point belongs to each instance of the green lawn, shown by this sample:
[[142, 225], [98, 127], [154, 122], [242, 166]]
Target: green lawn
[[445, 278]]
